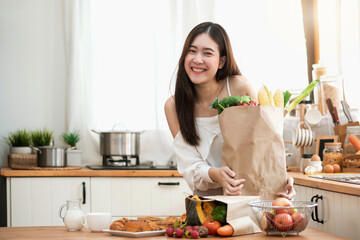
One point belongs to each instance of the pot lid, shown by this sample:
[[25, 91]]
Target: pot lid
[[116, 131]]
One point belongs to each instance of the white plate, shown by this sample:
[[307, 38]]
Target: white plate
[[135, 234]]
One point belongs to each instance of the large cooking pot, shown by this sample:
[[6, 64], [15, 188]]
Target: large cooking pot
[[50, 156], [119, 143]]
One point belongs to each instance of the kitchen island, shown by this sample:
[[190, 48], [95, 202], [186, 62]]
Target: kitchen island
[[153, 192], [60, 233]]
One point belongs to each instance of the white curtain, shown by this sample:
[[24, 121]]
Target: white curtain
[[77, 25], [135, 47]]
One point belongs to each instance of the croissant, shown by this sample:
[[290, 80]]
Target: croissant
[[137, 226]]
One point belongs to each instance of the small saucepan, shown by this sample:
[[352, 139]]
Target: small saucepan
[[50, 156]]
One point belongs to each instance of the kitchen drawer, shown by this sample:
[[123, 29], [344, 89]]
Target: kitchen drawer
[[139, 196]]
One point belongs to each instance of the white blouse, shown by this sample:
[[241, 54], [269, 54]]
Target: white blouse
[[194, 162]]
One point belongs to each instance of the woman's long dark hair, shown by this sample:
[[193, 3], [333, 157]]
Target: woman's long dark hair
[[185, 94]]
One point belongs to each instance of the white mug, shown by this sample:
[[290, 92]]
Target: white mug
[[312, 117], [97, 221]]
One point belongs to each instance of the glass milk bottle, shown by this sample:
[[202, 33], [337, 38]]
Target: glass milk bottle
[[73, 215]]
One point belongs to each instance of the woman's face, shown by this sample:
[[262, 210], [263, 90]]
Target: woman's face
[[203, 59]]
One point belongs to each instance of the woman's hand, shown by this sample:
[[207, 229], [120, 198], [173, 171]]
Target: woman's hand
[[225, 176], [289, 189]]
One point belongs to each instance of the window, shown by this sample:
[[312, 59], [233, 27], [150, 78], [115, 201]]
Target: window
[[339, 40], [137, 44]]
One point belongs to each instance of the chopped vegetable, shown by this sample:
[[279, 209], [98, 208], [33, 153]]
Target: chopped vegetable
[[219, 213], [302, 95]]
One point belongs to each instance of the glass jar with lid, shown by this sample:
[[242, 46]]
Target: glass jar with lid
[[348, 147], [330, 87], [332, 153]]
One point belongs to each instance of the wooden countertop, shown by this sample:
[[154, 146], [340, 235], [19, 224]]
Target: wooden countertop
[[86, 172], [61, 233], [305, 180], [299, 178]]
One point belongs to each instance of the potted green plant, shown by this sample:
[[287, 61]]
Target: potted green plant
[[19, 142], [41, 138], [73, 153]]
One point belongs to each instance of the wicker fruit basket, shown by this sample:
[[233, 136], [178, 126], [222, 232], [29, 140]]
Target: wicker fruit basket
[[283, 220], [22, 161], [351, 163]]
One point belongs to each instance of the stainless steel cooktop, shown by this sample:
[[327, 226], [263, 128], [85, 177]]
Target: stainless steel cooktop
[[346, 178]]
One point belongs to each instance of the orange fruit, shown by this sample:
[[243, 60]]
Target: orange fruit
[[315, 158], [328, 168], [336, 167]]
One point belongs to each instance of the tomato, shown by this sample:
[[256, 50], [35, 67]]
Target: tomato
[[225, 231], [212, 226]]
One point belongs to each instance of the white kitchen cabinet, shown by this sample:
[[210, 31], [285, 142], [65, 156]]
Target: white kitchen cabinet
[[139, 196], [340, 212], [35, 201]]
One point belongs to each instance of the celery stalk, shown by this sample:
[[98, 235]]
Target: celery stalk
[[302, 95]]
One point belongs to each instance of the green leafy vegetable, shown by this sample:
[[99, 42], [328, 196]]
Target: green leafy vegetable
[[219, 213], [302, 95], [287, 96], [230, 102]]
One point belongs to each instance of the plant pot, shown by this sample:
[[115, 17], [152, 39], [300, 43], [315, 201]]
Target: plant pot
[[74, 157], [20, 150]]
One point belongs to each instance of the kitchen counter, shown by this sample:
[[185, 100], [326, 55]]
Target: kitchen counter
[[304, 180], [86, 172], [299, 178], [61, 233]]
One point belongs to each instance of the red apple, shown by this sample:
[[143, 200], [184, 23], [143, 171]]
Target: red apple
[[267, 220], [299, 221], [283, 222], [282, 202]]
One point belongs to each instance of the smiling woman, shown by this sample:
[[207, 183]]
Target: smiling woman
[[135, 51]]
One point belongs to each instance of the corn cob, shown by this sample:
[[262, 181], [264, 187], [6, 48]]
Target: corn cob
[[271, 99], [263, 97], [279, 98], [266, 97]]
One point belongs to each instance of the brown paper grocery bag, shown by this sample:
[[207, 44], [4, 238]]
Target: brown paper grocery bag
[[239, 214], [254, 149]]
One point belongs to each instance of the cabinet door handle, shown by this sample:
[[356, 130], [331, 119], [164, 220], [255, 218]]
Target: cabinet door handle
[[315, 216], [84, 193], [168, 183]]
